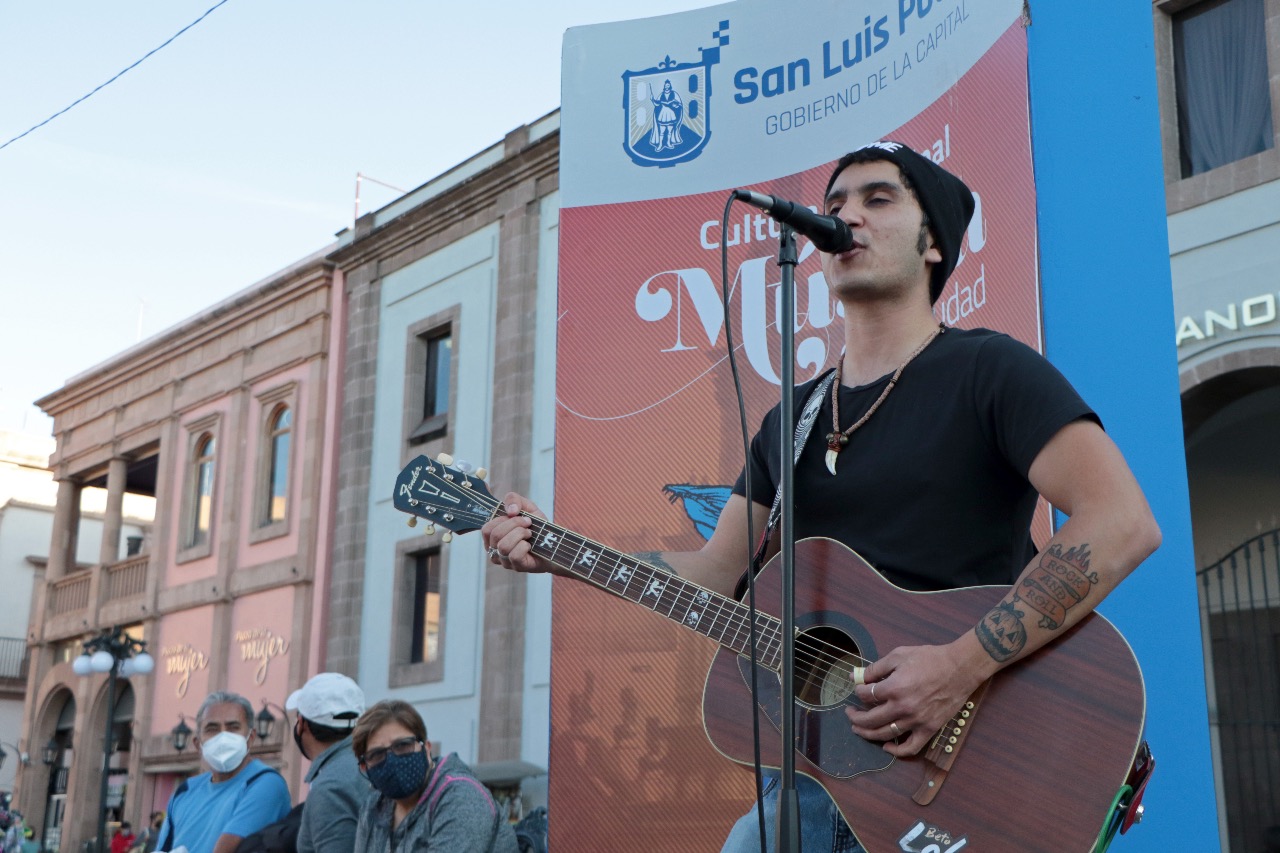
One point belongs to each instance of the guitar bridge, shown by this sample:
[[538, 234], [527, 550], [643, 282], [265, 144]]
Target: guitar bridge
[[945, 746]]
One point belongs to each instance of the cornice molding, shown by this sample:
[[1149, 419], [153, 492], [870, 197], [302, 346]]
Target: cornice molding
[[438, 214], [192, 334]]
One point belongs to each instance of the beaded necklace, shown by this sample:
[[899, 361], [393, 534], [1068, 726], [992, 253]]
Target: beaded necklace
[[836, 440]]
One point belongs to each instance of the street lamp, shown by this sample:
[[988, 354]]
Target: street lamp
[[265, 720], [118, 655], [23, 758], [181, 733]]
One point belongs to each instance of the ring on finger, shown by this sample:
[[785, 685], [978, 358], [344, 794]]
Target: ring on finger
[[873, 695], [493, 552], [897, 732]]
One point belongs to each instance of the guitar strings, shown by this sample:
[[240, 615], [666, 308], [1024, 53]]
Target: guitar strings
[[809, 650], [732, 611]]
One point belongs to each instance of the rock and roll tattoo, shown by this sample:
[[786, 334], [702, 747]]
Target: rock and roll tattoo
[[1060, 581]]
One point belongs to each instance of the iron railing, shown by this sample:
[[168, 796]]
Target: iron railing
[[1240, 609]]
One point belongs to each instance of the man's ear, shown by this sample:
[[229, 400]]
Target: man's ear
[[931, 252]]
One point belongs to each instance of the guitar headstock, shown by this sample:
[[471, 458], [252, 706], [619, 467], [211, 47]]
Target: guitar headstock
[[445, 494]]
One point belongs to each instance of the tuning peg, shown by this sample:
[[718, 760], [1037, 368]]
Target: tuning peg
[[447, 537], [444, 459], [482, 474], [430, 530], [464, 466], [413, 521]]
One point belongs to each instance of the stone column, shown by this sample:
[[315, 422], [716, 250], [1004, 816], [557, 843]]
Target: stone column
[[66, 526], [117, 476]]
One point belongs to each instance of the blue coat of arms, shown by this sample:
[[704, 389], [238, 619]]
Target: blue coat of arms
[[667, 107]]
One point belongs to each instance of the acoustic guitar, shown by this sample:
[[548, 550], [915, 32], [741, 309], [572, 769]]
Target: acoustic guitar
[[1032, 762]]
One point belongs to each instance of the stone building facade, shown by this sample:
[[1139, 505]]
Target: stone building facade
[[1218, 66], [451, 347], [227, 422]]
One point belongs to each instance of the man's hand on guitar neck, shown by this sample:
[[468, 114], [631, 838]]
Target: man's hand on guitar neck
[[716, 566], [509, 537]]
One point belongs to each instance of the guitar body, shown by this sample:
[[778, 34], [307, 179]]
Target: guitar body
[[1044, 753]]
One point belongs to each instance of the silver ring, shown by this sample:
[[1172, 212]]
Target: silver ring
[[493, 552], [873, 694], [896, 731]]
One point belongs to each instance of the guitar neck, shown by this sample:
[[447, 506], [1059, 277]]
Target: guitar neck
[[713, 615]]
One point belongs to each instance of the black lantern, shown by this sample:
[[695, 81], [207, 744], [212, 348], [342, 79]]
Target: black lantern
[[181, 733], [49, 755], [264, 721]]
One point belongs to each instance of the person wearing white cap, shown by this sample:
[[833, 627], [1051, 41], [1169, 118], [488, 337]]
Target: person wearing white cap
[[327, 707]]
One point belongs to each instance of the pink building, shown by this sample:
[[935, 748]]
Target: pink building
[[228, 420]]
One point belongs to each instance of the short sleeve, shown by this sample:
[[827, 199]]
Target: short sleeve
[[1022, 400], [265, 800]]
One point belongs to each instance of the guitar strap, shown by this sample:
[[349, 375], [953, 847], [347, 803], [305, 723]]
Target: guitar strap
[[803, 427]]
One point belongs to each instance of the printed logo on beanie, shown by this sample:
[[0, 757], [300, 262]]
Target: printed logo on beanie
[[891, 147]]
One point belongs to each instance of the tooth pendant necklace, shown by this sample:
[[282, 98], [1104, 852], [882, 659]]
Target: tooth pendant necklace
[[837, 440]]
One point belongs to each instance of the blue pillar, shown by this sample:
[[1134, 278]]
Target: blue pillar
[[1109, 326]]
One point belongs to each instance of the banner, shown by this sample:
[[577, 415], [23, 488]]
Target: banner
[[661, 119]]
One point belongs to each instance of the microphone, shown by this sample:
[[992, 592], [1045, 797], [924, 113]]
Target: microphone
[[829, 234]]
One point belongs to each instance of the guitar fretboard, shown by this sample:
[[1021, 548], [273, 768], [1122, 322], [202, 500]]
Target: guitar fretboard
[[713, 615]]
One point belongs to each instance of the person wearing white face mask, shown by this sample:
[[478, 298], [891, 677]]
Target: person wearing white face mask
[[212, 812]]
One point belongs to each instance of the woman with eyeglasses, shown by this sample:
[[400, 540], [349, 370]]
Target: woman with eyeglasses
[[419, 804]]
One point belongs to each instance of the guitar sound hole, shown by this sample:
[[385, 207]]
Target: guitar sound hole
[[825, 658]]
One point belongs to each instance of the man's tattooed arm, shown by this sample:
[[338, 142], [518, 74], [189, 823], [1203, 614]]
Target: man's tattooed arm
[[655, 558], [1057, 582]]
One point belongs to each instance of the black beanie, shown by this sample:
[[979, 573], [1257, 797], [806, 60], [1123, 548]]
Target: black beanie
[[944, 198]]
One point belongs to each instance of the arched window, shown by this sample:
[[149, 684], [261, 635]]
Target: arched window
[[280, 429], [202, 491]]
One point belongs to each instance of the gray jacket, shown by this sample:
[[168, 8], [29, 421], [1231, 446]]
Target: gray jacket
[[335, 799], [454, 814]]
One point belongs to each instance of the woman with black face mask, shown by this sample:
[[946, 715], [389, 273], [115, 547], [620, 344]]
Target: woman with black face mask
[[420, 804]]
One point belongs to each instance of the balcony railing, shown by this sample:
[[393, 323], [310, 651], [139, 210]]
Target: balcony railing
[[1240, 608], [13, 657], [70, 593], [126, 579]]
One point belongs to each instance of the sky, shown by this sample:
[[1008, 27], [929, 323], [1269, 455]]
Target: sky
[[233, 151]]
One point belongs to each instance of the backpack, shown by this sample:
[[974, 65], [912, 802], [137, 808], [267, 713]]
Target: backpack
[[531, 831], [278, 837]]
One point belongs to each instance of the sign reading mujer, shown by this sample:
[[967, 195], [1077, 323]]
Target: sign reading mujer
[[661, 119]]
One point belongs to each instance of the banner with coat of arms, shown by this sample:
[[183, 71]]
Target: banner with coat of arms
[[661, 119]]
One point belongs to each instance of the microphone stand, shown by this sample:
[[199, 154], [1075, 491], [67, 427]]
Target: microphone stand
[[788, 840]]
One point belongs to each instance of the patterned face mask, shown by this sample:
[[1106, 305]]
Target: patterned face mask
[[400, 776]]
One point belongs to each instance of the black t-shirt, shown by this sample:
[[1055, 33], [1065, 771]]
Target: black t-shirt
[[932, 490]]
